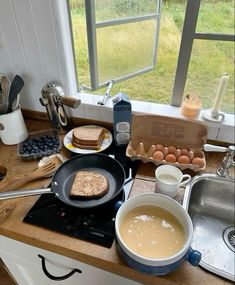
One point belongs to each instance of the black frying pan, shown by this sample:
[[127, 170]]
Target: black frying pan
[[65, 174]]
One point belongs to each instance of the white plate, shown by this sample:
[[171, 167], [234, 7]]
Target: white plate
[[105, 144]]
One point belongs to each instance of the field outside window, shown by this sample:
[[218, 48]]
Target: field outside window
[[209, 59]]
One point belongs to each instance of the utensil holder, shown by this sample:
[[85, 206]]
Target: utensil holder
[[12, 127]]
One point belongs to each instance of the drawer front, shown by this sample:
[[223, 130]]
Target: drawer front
[[33, 266]]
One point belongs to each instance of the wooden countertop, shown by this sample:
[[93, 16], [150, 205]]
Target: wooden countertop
[[12, 213]]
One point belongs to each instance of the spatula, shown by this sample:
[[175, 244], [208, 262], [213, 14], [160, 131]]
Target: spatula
[[16, 86], [44, 171]]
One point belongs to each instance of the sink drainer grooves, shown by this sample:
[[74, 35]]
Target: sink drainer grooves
[[229, 237]]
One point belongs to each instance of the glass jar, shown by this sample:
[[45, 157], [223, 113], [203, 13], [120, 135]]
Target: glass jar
[[191, 106]]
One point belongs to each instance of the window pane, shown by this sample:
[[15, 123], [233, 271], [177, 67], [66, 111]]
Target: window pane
[[78, 21], [110, 10], [123, 49], [216, 16], [154, 86], [209, 60]]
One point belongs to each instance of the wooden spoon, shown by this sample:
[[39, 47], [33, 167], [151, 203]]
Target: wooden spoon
[[4, 92], [45, 170]]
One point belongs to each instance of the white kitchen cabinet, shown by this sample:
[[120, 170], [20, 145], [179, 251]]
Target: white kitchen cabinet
[[25, 265]]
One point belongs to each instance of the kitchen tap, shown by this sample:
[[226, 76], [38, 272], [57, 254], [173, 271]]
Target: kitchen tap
[[227, 162], [54, 99]]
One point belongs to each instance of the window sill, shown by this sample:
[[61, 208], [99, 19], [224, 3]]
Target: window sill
[[89, 109]]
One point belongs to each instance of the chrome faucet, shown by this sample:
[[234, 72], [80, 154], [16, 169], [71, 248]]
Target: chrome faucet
[[227, 162]]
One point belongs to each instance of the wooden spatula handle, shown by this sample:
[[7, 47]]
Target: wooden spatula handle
[[12, 184]]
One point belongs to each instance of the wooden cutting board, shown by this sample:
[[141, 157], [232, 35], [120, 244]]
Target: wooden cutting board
[[6, 209], [17, 168]]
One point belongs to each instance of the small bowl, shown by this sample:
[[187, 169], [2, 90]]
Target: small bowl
[[158, 266]]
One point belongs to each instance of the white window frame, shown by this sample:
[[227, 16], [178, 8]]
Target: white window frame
[[189, 34], [90, 110], [93, 25]]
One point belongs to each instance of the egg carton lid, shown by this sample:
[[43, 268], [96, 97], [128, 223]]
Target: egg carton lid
[[153, 129]]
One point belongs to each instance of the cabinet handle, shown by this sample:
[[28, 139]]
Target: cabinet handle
[[56, 278]]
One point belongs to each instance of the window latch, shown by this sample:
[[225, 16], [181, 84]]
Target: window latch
[[107, 93]]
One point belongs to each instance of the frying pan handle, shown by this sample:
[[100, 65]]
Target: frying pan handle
[[24, 193], [56, 278]]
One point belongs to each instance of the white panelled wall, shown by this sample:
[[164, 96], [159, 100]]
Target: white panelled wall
[[35, 43], [29, 46]]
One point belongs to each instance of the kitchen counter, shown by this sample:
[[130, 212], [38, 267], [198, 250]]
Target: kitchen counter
[[12, 213]]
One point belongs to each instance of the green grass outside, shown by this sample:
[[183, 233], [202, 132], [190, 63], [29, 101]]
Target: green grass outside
[[210, 59]]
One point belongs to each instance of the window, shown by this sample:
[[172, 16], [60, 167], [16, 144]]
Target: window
[[43, 52], [207, 55], [184, 66], [122, 39]]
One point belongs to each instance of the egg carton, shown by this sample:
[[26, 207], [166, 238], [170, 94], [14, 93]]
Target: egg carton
[[150, 131], [145, 153]]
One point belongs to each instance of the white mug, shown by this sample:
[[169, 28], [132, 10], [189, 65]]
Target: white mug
[[168, 180], [12, 127]]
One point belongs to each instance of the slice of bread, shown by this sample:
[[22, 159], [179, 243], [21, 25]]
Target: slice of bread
[[89, 184], [86, 137], [95, 147]]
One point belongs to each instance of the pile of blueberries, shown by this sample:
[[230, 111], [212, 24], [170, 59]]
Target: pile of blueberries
[[45, 144]]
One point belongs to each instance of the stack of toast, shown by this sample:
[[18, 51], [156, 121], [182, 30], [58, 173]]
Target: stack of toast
[[88, 138]]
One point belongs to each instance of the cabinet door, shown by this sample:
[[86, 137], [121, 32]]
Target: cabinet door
[[26, 265], [26, 272]]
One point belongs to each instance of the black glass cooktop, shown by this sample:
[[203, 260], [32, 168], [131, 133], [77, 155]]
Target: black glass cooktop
[[95, 224]]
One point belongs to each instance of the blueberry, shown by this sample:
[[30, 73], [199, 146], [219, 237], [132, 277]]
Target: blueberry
[[45, 144]]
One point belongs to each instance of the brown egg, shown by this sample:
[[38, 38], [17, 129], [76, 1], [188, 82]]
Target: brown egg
[[170, 158], [191, 154], [158, 155], [178, 153], [184, 151], [184, 159], [171, 149], [165, 150], [159, 147], [198, 161]]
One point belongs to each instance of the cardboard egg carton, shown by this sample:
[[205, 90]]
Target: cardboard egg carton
[[148, 131]]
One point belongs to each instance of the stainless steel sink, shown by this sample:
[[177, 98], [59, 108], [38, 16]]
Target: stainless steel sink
[[210, 202]]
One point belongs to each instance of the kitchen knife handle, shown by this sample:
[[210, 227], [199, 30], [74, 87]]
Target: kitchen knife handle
[[56, 278]]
